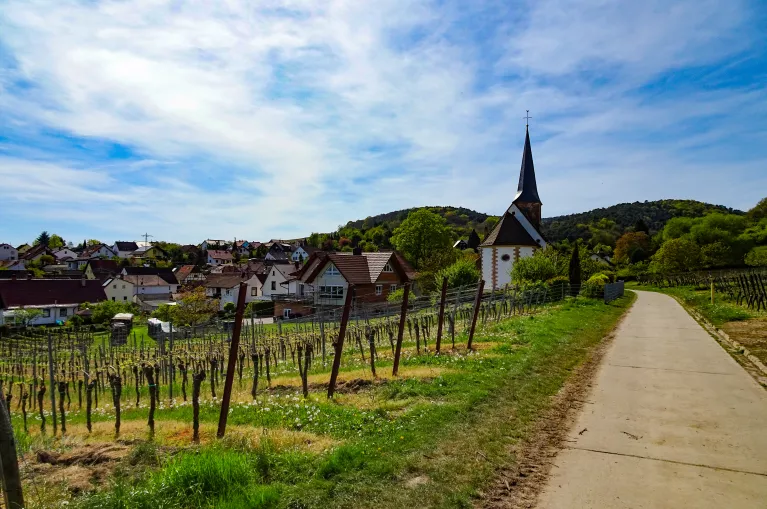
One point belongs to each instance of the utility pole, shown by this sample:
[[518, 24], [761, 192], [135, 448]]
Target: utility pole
[[146, 237]]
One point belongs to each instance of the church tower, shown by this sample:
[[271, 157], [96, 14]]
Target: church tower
[[517, 234]]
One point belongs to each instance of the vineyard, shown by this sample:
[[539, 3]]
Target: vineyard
[[93, 388]]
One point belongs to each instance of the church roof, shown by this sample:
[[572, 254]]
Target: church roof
[[509, 232], [527, 190]]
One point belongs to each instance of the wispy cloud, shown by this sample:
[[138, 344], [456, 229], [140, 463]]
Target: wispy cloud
[[278, 118]]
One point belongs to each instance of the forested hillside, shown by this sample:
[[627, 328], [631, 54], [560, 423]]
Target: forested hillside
[[654, 214]]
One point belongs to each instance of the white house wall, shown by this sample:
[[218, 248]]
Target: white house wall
[[325, 279], [502, 268], [119, 291]]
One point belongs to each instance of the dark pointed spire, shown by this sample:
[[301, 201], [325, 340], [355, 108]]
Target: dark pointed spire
[[527, 191]]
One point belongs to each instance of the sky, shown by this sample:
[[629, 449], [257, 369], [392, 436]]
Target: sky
[[274, 119]]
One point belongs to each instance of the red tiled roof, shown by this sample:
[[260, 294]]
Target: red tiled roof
[[219, 254], [356, 269], [41, 292]]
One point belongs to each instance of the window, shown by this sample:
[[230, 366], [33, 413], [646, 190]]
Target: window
[[46, 313], [113, 299], [286, 312], [506, 258], [301, 289], [63, 312], [387, 268], [379, 289], [115, 287], [123, 287], [228, 292], [125, 297], [274, 285], [331, 292], [253, 292], [392, 288], [332, 271]]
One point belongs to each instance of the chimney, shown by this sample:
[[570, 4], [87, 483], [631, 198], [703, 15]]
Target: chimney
[[357, 251]]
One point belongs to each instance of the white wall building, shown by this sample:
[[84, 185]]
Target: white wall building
[[276, 279], [8, 252], [119, 290]]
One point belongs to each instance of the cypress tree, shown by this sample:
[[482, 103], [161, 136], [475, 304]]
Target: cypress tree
[[575, 270]]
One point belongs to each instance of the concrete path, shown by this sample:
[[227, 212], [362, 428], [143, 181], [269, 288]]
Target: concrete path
[[673, 421]]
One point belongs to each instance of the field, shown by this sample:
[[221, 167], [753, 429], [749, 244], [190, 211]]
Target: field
[[431, 437]]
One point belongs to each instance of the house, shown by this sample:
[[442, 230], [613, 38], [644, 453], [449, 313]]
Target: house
[[215, 244], [188, 274], [57, 299], [373, 275], [100, 269], [64, 254], [23, 248], [276, 281], [302, 253], [119, 289], [217, 257], [602, 259], [77, 263], [34, 253], [460, 244], [242, 247], [226, 287], [98, 251], [8, 253], [14, 265], [165, 281], [517, 234], [149, 253], [124, 249]]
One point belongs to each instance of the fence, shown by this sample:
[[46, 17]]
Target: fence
[[613, 291]]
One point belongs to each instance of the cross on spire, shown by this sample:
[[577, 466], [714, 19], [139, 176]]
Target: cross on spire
[[527, 118]]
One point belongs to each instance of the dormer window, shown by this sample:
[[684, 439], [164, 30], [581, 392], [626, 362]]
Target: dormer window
[[332, 271], [387, 268]]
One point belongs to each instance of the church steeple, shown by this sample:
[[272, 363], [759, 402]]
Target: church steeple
[[527, 198]]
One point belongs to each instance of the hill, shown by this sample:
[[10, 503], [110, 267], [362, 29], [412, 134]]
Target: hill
[[570, 227]]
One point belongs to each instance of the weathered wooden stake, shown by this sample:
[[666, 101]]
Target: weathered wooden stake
[[401, 331], [232, 364], [477, 302], [339, 346], [9, 462]]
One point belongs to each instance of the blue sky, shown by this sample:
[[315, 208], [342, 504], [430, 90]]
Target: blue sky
[[261, 119]]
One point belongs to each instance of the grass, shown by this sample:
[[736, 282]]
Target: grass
[[431, 440]]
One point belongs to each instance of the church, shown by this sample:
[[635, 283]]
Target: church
[[517, 234]]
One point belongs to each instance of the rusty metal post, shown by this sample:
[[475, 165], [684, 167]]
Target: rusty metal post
[[339, 346], [477, 302], [441, 313], [232, 364], [401, 331]]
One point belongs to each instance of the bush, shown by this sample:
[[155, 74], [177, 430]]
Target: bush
[[610, 275], [542, 266], [396, 296], [595, 286], [461, 273], [757, 257]]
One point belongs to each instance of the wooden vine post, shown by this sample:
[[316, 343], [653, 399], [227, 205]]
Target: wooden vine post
[[441, 313], [477, 302], [9, 462], [232, 361], [339, 345], [401, 331], [51, 374]]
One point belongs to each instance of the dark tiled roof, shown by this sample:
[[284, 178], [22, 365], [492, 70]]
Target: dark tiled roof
[[219, 255], [126, 246], [41, 292], [223, 280], [356, 269], [36, 251], [184, 271], [166, 274], [509, 232], [527, 190]]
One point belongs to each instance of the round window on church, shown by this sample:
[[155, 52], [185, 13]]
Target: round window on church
[[505, 258]]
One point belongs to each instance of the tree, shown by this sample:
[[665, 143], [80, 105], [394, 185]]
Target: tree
[[757, 257], [641, 226], [759, 211], [94, 242], [103, 312], [43, 239], [676, 255], [575, 267], [421, 235], [165, 312], [532, 269], [26, 316], [629, 244], [461, 273], [195, 308], [56, 242]]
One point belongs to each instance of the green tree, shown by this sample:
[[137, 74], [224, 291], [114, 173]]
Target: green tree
[[103, 312], [532, 269], [463, 272], [757, 257], [25, 316], [44, 238], [47, 260], [165, 312], [195, 307], [56, 242], [94, 242], [574, 271], [759, 211], [676, 255], [421, 235], [629, 244]]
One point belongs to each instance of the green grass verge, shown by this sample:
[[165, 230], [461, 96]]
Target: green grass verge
[[722, 311], [438, 452]]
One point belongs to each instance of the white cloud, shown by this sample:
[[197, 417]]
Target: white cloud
[[266, 119]]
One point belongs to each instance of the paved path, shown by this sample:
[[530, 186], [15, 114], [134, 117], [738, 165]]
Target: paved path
[[673, 421]]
